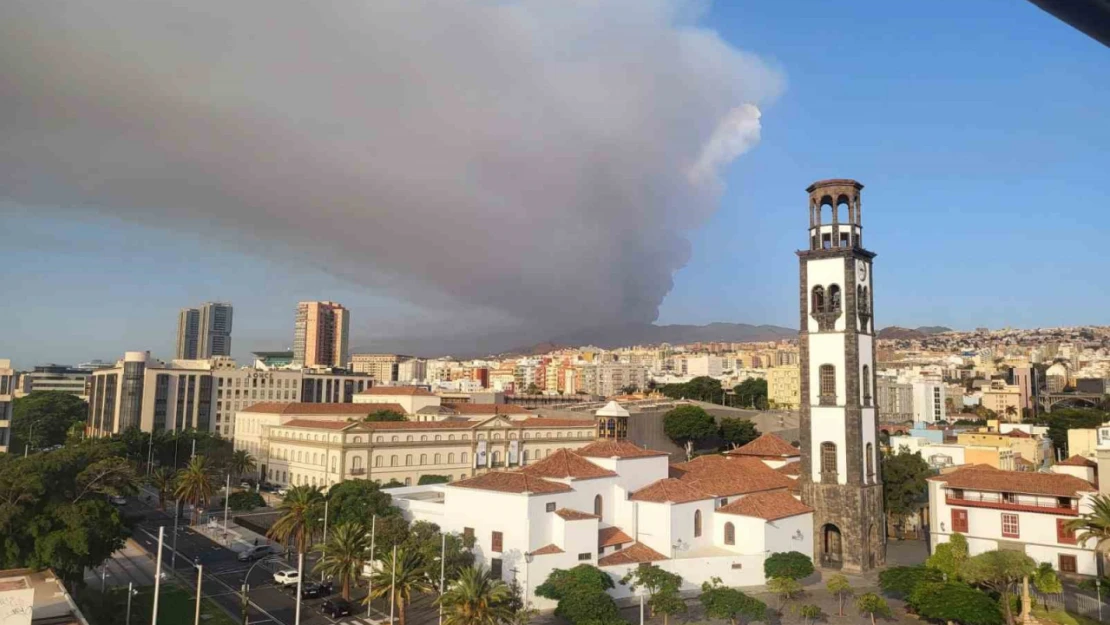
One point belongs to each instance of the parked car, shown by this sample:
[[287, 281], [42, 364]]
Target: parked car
[[283, 491], [245, 485], [337, 607], [315, 590], [268, 487], [287, 577], [255, 553], [118, 500]]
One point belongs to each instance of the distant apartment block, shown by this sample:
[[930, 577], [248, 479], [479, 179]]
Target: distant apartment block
[[1003, 399], [614, 376], [204, 332], [7, 387], [895, 400], [784, 388], [320, 335], [57, 378], [381, 367], [929, 402]]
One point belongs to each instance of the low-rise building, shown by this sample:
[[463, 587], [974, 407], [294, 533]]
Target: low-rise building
[[1026, 512], [58, 378], [1003, 399], [1031, 447], [7, 386], [29, 597], [1079, 466], [784, 388]]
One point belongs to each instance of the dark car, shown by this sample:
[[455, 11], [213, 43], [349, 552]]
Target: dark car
[[336, 608], [315, 590]]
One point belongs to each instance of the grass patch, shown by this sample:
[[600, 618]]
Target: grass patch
[[1060, 617], [176, 606]]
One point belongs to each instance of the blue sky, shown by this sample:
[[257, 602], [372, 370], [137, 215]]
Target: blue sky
[[980, 130]]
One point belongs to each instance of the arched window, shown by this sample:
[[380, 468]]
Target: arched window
[[450, 458], [438, 437], [496, 458], [435, 459], [408, 460], [378, 461], [395, 439], [481, 436], [424, 437], [866, 384], [818, 304], [356, 463], [423, 459], [730, 534], [466, 437], [464, 457], [558, 435], [828, 460], [834, 298], [548, 435], [497, 436], [408, 438], [450, 437], [393, 461], [408, 481], [525, 454], [597, 505], [827, 381], [697, 523], [380, 439], [870, 460], [334, 462]]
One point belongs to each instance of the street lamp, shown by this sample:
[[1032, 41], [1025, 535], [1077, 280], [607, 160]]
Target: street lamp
[[528, 557], [246, 579]]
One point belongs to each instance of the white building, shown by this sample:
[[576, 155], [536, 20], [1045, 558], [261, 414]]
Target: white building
[[704, 365], [1022, 511], [7, 386], [929, 402], [938, 455], [616, 506]]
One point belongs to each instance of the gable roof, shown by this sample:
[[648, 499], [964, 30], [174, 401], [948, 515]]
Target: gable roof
[[635, 553], [320, 425], [769, 506], [987, 478], [767, 446], [670, 490], [306, 408], [790, 468], [575, 515], [512, 482], [609, 536], [1079, 461], [543, 422], [486, 409], [726, 476], [546, 550], [407, 391], [563, 464], [617, 449]]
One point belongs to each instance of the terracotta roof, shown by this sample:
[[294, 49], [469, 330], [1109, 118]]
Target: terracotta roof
[[546, 550], [609, 536], [636, 553], [670, 490], [306, 408], [487, 409], [1019, 460], [767, 446], [790, 468], [407, 391], [987, 478], [725, 476], [541, 422], [514, 482], [1079, 461], [617, 449], [564, 463], [1020, 434], [575, 515], [768, 506], [320, 425]]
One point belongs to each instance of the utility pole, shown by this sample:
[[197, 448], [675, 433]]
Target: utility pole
[[130, 593], [173, 552], [370, 578], [227, 500], [442, 570], [393, 586], [158, 575], [200, 580], [324, 551], [300, 580]]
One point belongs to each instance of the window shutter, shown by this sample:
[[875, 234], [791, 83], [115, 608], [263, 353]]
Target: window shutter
[[959, 520], [1063, 535], [496, 545]]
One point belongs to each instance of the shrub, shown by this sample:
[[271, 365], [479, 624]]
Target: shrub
[[245, 501], [792, 564], [900, 581]]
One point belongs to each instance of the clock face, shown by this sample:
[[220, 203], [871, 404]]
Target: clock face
[[861, 269]]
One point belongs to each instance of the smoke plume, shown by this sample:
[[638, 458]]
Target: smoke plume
[[543, 160]]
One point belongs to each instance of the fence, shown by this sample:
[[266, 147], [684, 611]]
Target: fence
[[1074, 602]]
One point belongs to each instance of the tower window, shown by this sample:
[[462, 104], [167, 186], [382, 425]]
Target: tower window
[[828, 462], [870, 461], [818, 304], [834, 298], [866, 385], [697, 523], [827, 375]]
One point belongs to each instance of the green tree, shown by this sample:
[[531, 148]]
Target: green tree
[[904, 485], [242, 462], [580, 593], [999, 571], [404, 576], [792, 564], [954, 602], [245, 501], [425, 539], [662, 588], [810, 612], [840, 588], [1063, 419], [355, 501], [900, 581], [164, 480], [951, 557], [751, 393], [1047, 582], [688, 423], [299, 510], [738, 432], [723, 602], [347, 548], [872, 605], [384, 415], [785, 588], [1094, 526], [195, 485], [476, 598], [702, 388], [43, 418], [432, 479]]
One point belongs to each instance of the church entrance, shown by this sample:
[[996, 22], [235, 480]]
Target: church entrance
[[830, 547]]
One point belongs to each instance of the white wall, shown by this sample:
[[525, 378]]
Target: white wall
[[824, 272], [828, 426], [782, 535], [655, 526], [696, 571]]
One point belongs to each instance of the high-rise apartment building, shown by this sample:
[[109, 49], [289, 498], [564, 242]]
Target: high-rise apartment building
[[320, 335], [381, 367], [7, 387], [204, 332], [929, 401]]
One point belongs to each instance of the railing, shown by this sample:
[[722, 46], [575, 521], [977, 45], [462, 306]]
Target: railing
[[1000, 504]]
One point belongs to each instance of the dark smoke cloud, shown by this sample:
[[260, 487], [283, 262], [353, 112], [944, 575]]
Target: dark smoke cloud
[[543, 159]]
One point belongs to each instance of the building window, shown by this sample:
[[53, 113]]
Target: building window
[[495, 568], [408, 460], [1010, 527], [1067, 564], [828, 462], [866, 385], [1063, 534], [697, 523], [408, 481], [597, 505], [723, 502], [959, 520], [393, 461], [423, 459], [550, 507], [827, 379], [496, 542], [870, 461], [468, 533], [378, 461], [834, 298], [818, 304], [730, 534], [585, 556]]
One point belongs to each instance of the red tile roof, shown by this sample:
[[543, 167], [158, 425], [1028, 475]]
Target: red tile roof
[[564, 463], [670, 490], [575, 515], [636, 553], [767, 446], [1020, 434], [609, 536], [306, 408], [986, 478], [320, 425], [617, 449], [790, 468], [407, 391], [542, 422], [1079, 461], [487, 409], [514, 482], [769, 506], [726, 476], [547, 550]]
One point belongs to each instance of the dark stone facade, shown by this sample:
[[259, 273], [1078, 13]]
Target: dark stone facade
[[854, 509]]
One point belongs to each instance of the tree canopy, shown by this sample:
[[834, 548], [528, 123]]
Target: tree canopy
[[999, 571], [951, 557], [688, 423], [702, 388], [955, 601], [580, 593], [791, 564], [1063, 419], [900, 581], [432, 479], [751, 393], [384, 415], [736, 432], [662, 588], [904, 485], [731, 604], [355, 501], [43, 418]]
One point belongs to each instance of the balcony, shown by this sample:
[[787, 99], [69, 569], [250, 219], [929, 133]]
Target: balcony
[[992, 501], [359, 471]]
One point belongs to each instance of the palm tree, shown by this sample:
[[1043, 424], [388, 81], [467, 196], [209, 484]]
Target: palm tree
[[299, 510], [164, 480], [346, 550], [403, 578], [476, 598], [241, 462], [1095, 525], [194, 484]]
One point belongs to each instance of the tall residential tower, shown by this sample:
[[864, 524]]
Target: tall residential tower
[[320, 335], [204, 332], [840, 475]]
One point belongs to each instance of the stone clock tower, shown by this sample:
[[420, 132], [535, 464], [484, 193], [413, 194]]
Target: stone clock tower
[[839, 422]]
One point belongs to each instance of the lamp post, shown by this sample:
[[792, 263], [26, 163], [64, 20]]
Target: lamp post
[[227, 502], [1098, 591], [393, 586], [324, 550], [27, 445], [158, 575], [370, 579], [528, 557], [442, 571]]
